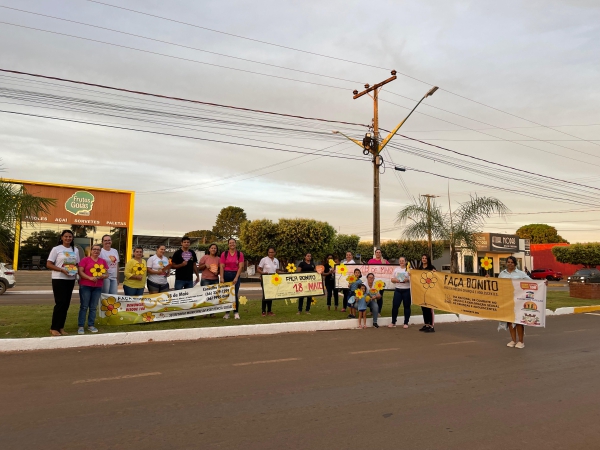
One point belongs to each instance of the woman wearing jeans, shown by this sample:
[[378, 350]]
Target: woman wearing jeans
[[135, 274], [401, 279], [93, 270], [232, 263]]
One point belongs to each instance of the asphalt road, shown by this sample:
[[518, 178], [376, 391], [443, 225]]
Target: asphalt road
[[460, 388]]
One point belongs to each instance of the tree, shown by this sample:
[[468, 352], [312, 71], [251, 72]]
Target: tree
[[458, 228], [411, 250], [39, 243], [586, 254], [257, 236], [82, 230], [206, 236], [17, 205], [297, 237], [539, 233], [228, 223], [343, 243]]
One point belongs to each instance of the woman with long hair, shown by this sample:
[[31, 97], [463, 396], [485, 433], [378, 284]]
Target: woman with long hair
[[209, 266], [93, 270], [428, 314], [158, 268], [330, 282], [515, 329], [232, 263], [135, 273], [379, 259]]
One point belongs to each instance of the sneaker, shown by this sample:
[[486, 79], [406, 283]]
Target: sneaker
[[429, 330], [92, 329], [226, 316], [80, 330], [520, 345], [511, 344], [423, 328], [270, 313], [405, 326], [375, 325], [343, 310], [264, 314], [236, 316]]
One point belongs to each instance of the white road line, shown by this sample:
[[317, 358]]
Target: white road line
[[375, 351], [266, 362], [122, 377], [592, 314], [459, 342], [575, 331]]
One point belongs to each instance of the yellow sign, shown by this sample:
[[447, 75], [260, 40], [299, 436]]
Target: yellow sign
[[292, 285], [502, 299]]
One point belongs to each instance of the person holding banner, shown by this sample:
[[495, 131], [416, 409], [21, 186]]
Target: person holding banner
[[305, 266], [158, 269], [515, 329], [185, 263], [209, 266], [401, 279], [232, 263], [93, 270], [111, 256], [268, 266], [330, 282], [375, 295], [428, 314], [349, 260], [379, 259], [354, 286], [135, 274]]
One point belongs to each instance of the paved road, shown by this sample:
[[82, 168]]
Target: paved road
[[460, 388]]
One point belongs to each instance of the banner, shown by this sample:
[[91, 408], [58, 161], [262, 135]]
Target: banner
[[502, 299], [383, 274], [292, 285], [198, 301]]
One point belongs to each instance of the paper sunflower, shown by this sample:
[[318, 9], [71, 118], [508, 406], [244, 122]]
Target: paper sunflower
[[243, 300], [98, 270], [359, 293], [351, 279], [331, 263], [276, 279], [313, 303], [342, 269], [486, 263], [110, 306], [291, 267], [139, 269], [379, 285], [367, 298]]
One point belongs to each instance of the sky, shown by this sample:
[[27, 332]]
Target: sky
[[518, 87]]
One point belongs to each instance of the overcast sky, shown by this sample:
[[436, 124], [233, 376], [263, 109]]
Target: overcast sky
[[538, 60]]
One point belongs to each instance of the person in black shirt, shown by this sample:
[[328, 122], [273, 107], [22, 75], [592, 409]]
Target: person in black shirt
[[306, 266], [185, 263], [428, 315], [330, 283]]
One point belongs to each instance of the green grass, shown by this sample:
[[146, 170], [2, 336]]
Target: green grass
[[34, 320]]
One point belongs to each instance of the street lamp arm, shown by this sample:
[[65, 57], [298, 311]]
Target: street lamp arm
[[359, 143]]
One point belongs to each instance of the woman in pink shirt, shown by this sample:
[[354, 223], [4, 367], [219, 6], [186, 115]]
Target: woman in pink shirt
[[379, 259], [232, 263], [209, 266], [93, 270]]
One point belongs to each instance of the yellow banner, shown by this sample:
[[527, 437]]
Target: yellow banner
[[292, 285], [502, 299]]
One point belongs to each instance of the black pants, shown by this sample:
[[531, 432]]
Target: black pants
[[62, 289], [345, 293], [401, 296], [427, 315], [331, 292], [380, 302], [267, 305], [301, 302], [230, 276]]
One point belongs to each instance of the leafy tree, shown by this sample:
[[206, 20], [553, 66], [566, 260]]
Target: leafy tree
[[297, 237], [39, 243], [82, 230], [411, 250], [17, 205], [206, 236], [257, 236], [458, 228], [586, 254], [540, 233], [228, 223], [343, 243]]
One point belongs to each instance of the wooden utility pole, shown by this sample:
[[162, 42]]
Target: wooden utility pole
[[429, 197]]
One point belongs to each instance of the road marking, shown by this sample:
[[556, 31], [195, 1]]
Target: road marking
[[375, 351], [122, 377], [575, 331], [459, 342], [267, 362], [592, 314]]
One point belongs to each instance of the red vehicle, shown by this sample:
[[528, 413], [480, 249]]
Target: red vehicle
[[546, 274]]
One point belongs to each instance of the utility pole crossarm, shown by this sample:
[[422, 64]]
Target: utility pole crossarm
[[359, 143]]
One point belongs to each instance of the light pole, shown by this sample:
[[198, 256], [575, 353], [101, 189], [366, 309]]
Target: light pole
[[371, 145]]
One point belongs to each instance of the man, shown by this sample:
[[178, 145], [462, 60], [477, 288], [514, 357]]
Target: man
[[111, 256], [185, 263]]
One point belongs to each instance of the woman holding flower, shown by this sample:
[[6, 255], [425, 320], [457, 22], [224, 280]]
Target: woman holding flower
[[329, 264], [158, 267], [375, 295], [135, 274], [379, 259], [93, 270], [401, 279], [355, 282], [345, 292], [306, 266]]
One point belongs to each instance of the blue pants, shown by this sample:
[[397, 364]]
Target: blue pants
[[133, 291], [401, 296], [110, 286], [204, 282], [183, 284], [88, 298], [228, 277]]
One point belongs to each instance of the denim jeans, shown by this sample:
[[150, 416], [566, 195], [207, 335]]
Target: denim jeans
[[133, 291], [110, 286], [155, 288], [374, 310], [88, 298], [204, 282], [401, 296], [183, 284], [229, 276]]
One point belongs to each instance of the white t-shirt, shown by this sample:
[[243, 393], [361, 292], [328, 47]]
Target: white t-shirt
[[269, 265], [156, 263], [112, 259], [65, 257], [402, 274]]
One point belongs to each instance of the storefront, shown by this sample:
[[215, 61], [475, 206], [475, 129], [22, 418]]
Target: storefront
[[496, 248]]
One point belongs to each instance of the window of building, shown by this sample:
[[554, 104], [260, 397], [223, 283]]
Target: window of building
[[468, 264]]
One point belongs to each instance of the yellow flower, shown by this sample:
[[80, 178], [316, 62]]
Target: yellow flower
[[98, 270], [243, 300], [342, 269], [374, 292], [148, 317], [408, 265], [367, 298], [314, 302], [358, 293], [139, 269], [351, 279], [486, 263], [276, 279], [428, 280], [291, 267], [110, 306], [331, 263], [379, 285]]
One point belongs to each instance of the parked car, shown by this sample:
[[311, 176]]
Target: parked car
[[583, 275], [546, 274], [7, 277]]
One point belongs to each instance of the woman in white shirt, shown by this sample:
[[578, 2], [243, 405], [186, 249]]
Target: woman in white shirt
[[345, 292], [401, 279], [158, 267], [62, 261], [511, 271], [268, 265]]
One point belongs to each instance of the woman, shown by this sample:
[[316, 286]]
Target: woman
[[375, 296], [330, 282], [379, 259], [62, 261], [305, 266], [158, 268], [515, 329], [267, 266], [93, 270], [428, 314], [345, 292], [135, 274], [401, 278], [232, 263], [209, 266]]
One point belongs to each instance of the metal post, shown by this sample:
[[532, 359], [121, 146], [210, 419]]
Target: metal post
[[376, 190]]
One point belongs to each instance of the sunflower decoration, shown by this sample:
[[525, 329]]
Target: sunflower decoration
[[139, 269], [379, 285], [314, 302], [110, 306], [486, 263], [408, 265], [359, 293], [98, 270], [276, 279], [291, 267], [243, 300], [367, 298], [374, 292], [428, 280], [351, 279], [342, 269], [331, 263], [148, 317]]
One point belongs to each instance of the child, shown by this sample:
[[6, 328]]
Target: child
[[351, 297], [362, 307]]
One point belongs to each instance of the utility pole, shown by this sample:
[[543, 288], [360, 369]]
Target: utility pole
[[372, 144], [429, 197]]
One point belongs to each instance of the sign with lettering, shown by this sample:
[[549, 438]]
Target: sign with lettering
[[383, 275], [503, 299], [292, 285], [504, 243]]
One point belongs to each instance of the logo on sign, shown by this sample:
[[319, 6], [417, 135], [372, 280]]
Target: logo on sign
[[80, 203], [532, 286]]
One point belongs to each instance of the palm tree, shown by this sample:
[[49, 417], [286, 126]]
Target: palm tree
[[458, 228]]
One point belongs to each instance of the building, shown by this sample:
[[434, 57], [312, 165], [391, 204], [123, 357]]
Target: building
[[544, 259]]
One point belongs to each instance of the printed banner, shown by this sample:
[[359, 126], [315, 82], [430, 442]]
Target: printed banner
[[383, 274], [200, 300], [502, 299], [292, 285]]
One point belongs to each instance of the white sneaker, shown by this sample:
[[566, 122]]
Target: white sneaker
[[236, 316], [511, 344], [520, 345], [80, 330], [226, 316]]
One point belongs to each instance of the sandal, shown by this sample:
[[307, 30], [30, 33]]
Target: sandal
[[55, 333]]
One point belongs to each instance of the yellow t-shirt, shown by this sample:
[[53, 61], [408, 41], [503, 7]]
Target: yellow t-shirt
[[134, 268]]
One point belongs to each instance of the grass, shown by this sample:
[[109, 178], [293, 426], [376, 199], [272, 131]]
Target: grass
[[34, 320]]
